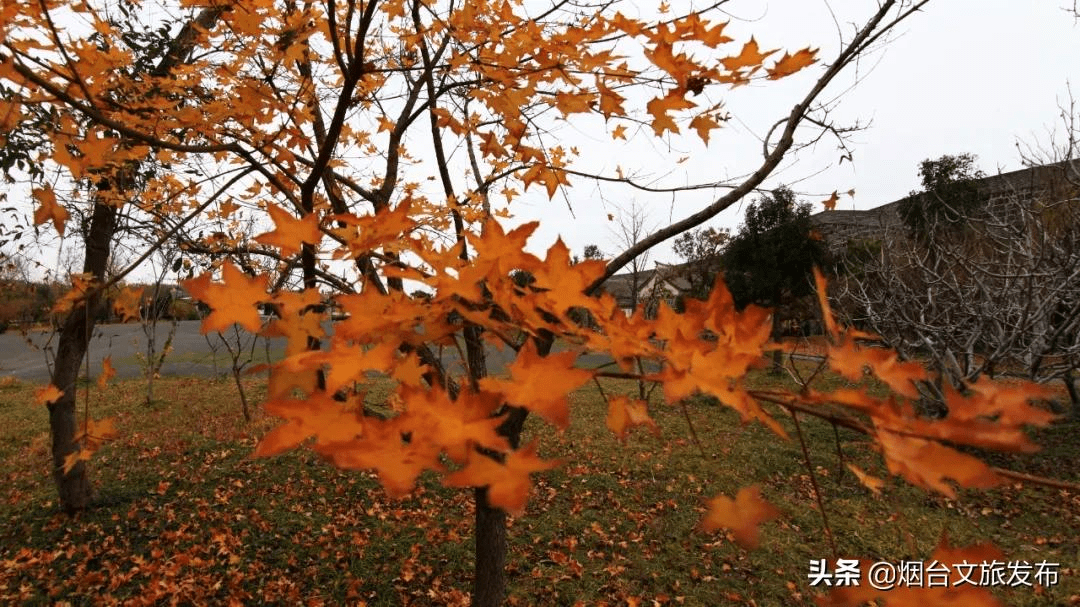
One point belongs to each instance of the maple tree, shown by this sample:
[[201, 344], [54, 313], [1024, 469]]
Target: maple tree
[[384, 129]]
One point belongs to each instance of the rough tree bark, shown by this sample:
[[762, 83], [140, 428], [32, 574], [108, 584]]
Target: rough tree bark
[[489, 580], [74, 488]]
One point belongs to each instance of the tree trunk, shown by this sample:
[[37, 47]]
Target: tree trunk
[[778, 355], [489, 579], [490, 549], [74, 487]]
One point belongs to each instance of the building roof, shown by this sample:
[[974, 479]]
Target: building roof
[[621, 285]]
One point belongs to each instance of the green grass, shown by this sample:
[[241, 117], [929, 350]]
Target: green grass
[[184, 513]]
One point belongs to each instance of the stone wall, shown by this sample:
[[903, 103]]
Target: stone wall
[[1047, 184]]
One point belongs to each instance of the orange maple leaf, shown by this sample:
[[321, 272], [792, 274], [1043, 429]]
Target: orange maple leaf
[[703, 123], [711, 37], [107, 372], [928, 464], [373, 316], [289, 232], [789, 64], [90, 436], [410, 371], [625, 413], [387, 447], [128, 304], [49, 209], [72, 459], [490, 145], [47, 394], [573, 103], [872, 483], [678, 65], [830, 202], [744, 333], [832, 330], [633, 27], [564, 280], [318, 415], [610, 101], [660, 106], [297, 319], [619, 132], [80, 287], [541, 383], [233, 300], [848, 359], [98, 431], [750, 56], [741, 515], [550, 177], [508, 483], [284, 382], [1008, 404], [455, 426], [385, 228], [715, 373], [498, 253], [350, 363]]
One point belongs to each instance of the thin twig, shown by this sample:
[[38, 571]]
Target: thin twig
[[839, 452], [814, 484], [690, 423]]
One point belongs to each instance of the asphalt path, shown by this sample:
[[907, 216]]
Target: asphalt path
[[28, 355]]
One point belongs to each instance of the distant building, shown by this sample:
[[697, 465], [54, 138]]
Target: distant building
[[1048, 182], [666, 282]]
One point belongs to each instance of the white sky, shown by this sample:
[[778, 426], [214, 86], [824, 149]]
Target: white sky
[[972, 76]]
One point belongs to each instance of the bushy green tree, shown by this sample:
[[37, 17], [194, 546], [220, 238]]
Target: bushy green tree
[[702, 250], [948, 194], [593, 252], [770, 260]]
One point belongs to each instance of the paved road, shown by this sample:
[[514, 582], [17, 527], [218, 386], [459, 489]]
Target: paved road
[[29, 356]]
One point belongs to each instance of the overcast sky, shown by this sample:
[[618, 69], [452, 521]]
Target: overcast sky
[[972, 76]]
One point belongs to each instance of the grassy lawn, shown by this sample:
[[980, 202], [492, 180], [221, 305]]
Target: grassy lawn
[[185, 514]]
